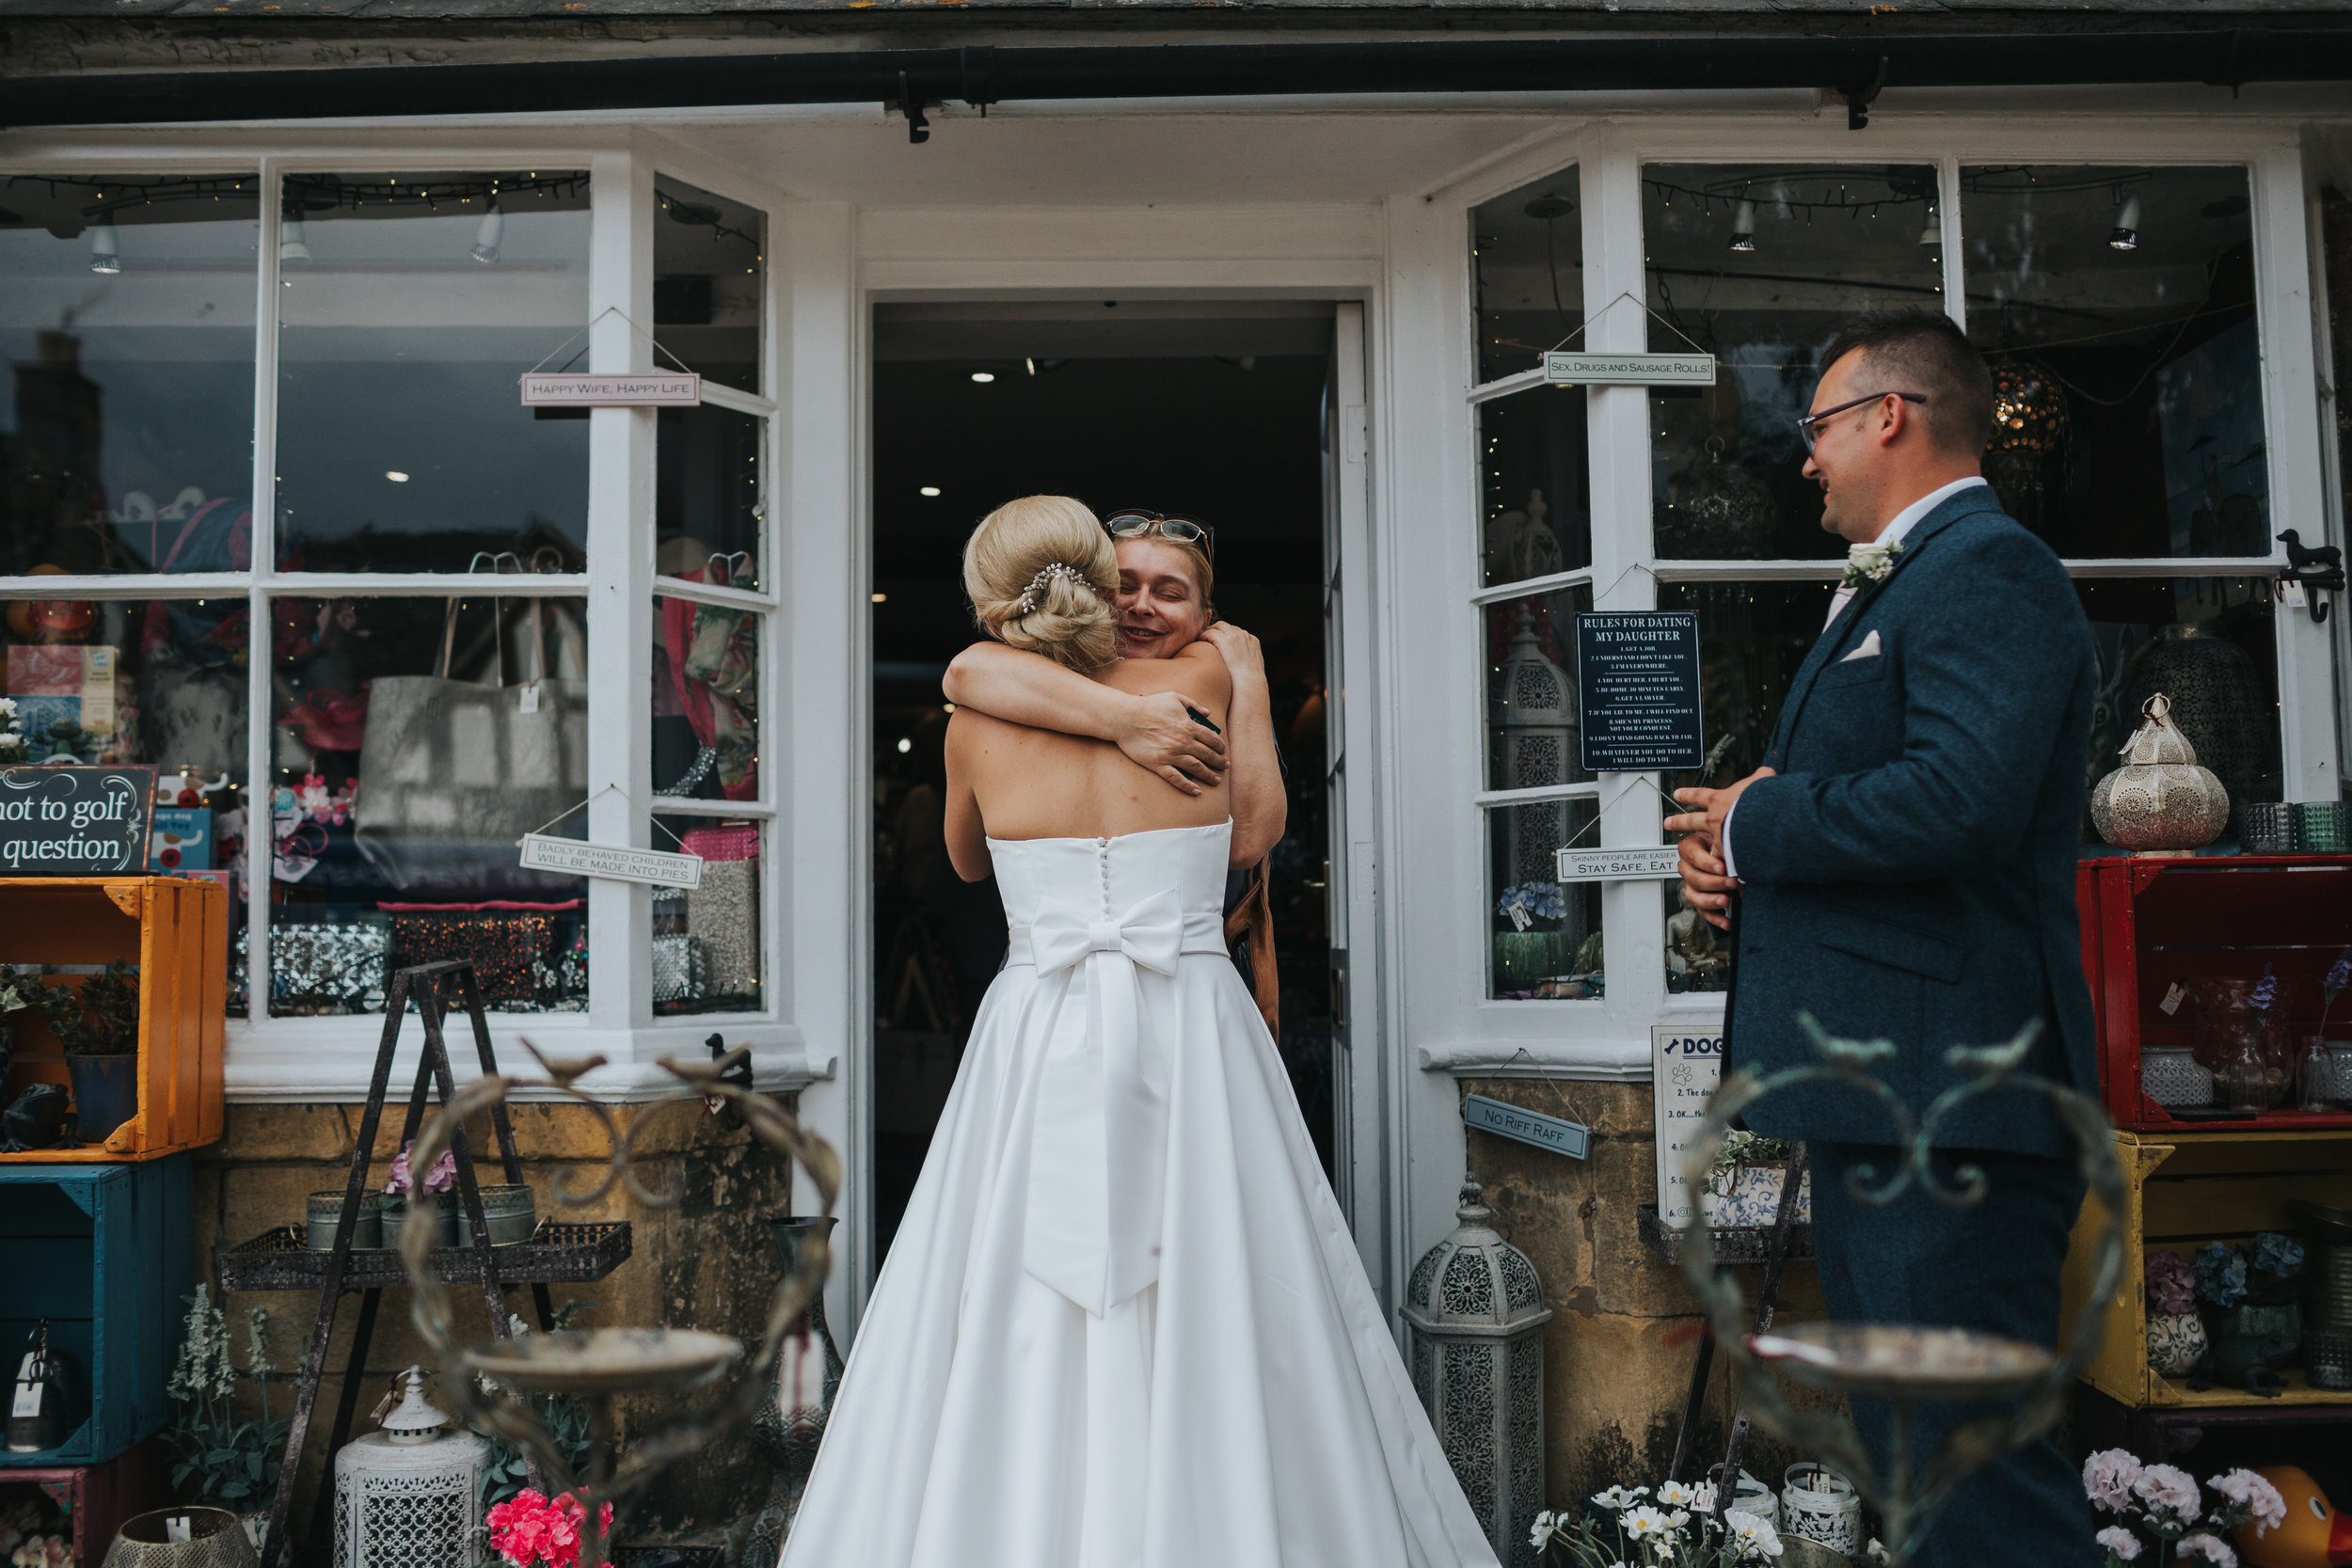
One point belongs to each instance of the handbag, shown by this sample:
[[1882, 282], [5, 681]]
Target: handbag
[[451, 773], [679, 973], [512, 948], [315, 967], [723, 913]]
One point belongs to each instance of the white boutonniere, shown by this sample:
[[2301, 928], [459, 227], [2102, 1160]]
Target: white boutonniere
[[1868, 563]]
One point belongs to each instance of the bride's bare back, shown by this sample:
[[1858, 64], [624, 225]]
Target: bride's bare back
[[1008, 780]]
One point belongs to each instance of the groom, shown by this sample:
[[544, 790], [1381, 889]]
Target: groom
[[1903, 868]]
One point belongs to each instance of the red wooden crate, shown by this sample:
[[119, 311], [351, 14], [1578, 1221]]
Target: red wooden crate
[[2148, 922], [99, 1498]]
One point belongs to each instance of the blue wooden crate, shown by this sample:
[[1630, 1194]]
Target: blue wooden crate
[[103, 1252]]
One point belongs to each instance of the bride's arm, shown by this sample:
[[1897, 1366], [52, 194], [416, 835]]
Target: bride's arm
[[967, 836], [1029, 688], [1261, 803]]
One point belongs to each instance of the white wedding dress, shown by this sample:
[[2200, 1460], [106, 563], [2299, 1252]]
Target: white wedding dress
[[1122, 1324]]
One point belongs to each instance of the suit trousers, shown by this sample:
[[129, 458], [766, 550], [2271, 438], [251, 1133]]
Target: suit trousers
[[1993, 1267]]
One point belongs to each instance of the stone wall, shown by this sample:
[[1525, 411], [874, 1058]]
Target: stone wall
[[709, 1262], [1616, 1368]]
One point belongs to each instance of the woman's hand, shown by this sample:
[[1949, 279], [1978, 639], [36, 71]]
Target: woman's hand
[[1245, 660], [1156, 731]]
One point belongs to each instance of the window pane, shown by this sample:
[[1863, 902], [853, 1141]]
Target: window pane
[[1544, 939], [411, 304], [2207, 644], [708, 496], [1531, 690], [126, 312], [1759, 266], [1752, 638], [709, 265], [2117, 305], [415, 740], [705, 939], [1531, 477], [1527, 255], [706, 701]]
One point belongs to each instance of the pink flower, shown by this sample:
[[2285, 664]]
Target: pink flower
[[2167, 1489], [440, 1178], [2252, 1497], [2108, 1478], [2211, 1547], [2122, 1542]]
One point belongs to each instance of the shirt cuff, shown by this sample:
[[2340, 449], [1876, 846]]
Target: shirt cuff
[[1723, 845]]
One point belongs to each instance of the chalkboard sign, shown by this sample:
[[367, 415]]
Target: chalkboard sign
[[74, 821], [1637, 687]]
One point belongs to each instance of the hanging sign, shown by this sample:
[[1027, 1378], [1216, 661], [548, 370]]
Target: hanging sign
[[1684, 1066], [1618, 865], [612, 862], [1507, 1120], [1569, 368], [644, 389], [1637, 687], [74, 821]]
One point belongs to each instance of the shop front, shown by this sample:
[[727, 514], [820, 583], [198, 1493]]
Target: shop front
[[279, 524]]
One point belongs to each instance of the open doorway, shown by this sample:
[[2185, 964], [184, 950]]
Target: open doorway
[[1214, 410]]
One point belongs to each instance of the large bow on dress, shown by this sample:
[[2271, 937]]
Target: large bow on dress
[[1099, 1146]]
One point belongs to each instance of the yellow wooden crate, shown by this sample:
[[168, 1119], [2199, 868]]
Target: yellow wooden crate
[[2185, 1191], [176, 930]]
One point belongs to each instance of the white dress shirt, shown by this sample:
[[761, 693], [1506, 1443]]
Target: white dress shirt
[[1901, 522]]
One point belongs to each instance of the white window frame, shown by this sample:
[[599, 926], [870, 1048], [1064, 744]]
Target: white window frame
[[329, 1059], [1609, 1037]]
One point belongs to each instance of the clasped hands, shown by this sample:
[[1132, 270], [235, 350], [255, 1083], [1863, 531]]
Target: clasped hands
[[1707, 880]]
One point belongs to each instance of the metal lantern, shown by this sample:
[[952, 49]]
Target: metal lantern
[[2160, 799], [409, 1496], [1532, 703], [1476, 1313]]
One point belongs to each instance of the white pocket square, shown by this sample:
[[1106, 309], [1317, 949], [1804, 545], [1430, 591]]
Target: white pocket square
[[1871, 648]]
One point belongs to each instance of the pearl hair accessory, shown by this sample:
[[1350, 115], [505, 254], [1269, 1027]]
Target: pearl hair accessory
[[1028, 601]]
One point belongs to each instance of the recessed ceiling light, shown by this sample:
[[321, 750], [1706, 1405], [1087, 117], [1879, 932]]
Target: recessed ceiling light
[[983, 377], [905, 746], [931, 490], [879, 597], [395, 475]]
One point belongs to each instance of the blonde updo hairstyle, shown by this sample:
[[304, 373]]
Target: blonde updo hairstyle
[[1040, 573]]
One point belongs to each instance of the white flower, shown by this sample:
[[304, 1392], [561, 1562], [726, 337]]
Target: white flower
[[1675, 1492], [1643, 1521], [1756, 1537], [2109, 1476], [2211, 1547], [2252, 1493], [1876, 1551], [2167, 1489], [1868, 563], [2122, 1542], [8, 710], [1618, 1496]]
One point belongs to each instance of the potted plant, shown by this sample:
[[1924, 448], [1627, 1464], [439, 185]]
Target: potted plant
[[530, 1530], [1626, 1527], [1530, 951], [17, 992], [2176, 1335], [226, 1459], [2164, 1504], [2253, 1310], [438, 1196], [1744, 1182], [98, 1028]]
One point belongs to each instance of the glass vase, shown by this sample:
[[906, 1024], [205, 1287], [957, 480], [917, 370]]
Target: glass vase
[[2315, 1087]]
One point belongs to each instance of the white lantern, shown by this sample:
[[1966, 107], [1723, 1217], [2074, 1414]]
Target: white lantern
[[1476, 1313], [409, 1495]]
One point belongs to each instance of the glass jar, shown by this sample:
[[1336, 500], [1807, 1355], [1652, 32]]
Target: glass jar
[[2315, 1087], [2229, 1027]]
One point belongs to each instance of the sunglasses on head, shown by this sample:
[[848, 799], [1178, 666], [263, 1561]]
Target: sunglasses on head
[[1168, 524]]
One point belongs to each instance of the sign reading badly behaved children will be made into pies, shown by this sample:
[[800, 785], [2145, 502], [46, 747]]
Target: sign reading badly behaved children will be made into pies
[[615, 861]]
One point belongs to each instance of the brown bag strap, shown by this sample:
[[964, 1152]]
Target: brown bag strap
[[1252, 924]]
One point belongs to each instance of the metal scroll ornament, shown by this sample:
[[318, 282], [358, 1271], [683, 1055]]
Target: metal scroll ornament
[[1907, 1365], [598, 1365], [1721, 512], [2160, 799]]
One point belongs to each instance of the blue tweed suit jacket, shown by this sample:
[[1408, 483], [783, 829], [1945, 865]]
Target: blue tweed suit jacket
[[1909, 875]]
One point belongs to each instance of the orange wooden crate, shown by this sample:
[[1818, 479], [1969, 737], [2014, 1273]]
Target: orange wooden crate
[[176, 930]]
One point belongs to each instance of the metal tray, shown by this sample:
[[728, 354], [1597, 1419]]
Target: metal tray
[[278, 1260]]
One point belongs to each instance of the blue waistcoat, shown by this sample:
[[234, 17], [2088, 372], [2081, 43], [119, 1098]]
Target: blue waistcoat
[[1909, 875]]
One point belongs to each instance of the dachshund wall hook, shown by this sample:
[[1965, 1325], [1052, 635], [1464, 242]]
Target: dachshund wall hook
[[2317, 568]]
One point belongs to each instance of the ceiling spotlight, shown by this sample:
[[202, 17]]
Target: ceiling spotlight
[[1932, 231], [1743, 226], [2126, 234], [105, 249], [292, 241], [1031, 363], [395, 475], [931, 490], [905, 746], [880, 598], [487, 237], [1546, 208], [983, 377]]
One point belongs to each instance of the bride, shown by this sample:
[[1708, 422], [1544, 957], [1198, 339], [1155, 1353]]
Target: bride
[[1122, 1322]]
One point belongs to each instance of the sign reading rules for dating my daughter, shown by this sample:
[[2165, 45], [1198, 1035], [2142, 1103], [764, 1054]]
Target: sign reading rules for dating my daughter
[[74, 821]]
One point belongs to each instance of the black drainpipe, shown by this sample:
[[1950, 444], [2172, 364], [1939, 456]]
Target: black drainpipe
[[1856, 68]]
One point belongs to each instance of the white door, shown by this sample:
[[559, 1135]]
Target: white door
[[1363, 1096]]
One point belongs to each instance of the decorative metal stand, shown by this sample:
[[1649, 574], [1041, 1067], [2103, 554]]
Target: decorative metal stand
[[598, 1365], [1903, 1364], [276, 1261]]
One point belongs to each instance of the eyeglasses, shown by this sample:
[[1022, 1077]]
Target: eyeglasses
[[1806, 423], [1170, 525]]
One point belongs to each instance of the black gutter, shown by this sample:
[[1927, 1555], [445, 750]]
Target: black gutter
[[1855, 67]]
